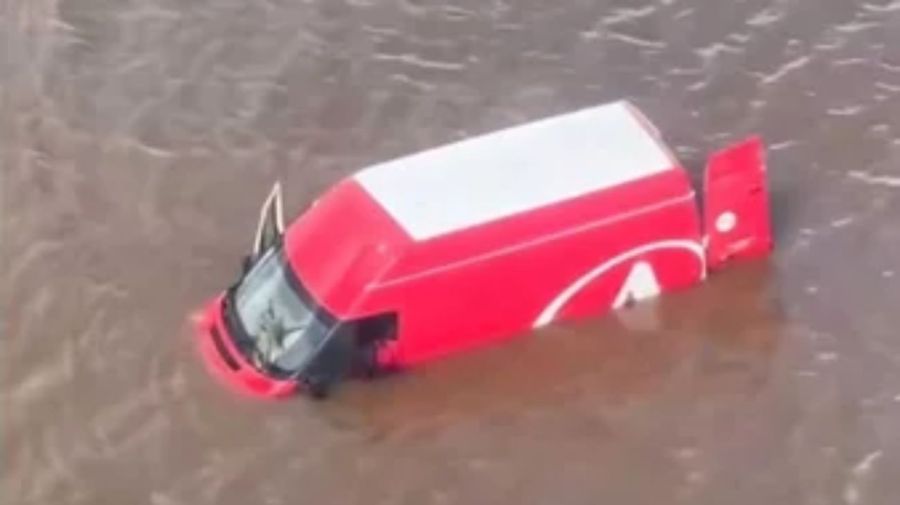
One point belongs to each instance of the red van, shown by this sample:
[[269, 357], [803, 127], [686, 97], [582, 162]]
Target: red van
[[473, 242]]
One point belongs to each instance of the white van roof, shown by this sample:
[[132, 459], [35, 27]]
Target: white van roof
[[517, 169]]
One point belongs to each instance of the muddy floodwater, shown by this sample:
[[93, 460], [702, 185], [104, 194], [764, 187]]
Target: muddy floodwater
[[139, 137]]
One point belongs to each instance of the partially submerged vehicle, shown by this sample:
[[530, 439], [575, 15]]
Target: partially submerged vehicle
[[478, 241]]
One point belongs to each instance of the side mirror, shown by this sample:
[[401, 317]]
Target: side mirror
[[270, 227]]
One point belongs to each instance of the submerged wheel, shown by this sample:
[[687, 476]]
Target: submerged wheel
[[318, 390]]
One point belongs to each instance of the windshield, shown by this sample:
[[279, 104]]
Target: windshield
[[284, 327]]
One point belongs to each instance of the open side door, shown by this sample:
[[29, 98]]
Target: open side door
[[270, 226], [736, 212]]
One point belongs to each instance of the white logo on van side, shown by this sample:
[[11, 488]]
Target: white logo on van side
[[640, 284], [549, 313]]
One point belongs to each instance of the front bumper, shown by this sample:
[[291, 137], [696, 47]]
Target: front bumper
[[227, 363]]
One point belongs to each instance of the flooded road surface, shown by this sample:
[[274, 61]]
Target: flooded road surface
[[139, 137]]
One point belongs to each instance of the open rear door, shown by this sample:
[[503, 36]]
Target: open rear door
[[736, 211]]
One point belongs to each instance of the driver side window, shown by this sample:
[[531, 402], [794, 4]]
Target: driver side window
[[367, 335]]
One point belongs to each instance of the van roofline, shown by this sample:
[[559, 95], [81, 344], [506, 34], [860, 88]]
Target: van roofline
[[499, 174], [604, 221]]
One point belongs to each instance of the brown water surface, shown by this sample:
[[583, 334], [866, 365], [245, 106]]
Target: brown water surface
[[138, 138]]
